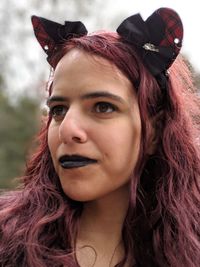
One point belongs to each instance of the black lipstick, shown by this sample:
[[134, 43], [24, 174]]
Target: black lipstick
[[75, 161]]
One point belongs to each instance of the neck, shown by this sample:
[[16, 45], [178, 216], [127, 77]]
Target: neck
[[105, 216], [102, 221]]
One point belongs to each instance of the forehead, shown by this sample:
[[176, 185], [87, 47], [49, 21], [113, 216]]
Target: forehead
[[79, 70]]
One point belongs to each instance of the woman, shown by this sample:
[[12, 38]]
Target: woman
[[115, 179]]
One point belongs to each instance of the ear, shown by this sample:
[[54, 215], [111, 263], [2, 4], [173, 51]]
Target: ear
[[155, 133], [51, 34], [159, 38]]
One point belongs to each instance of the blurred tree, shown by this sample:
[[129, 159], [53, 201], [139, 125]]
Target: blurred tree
[[197, 80], [195, 74], [18, 124]]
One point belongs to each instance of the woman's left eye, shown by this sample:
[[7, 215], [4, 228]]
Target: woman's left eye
[[104, 107]]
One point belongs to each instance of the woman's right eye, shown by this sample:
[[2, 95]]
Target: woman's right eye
[[57, 112]]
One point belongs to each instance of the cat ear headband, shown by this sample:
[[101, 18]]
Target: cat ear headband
[[157, 39]]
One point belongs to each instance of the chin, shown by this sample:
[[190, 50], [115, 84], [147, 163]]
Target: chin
[[79, 196]]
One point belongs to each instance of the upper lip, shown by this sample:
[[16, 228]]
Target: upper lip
[[75, 157]]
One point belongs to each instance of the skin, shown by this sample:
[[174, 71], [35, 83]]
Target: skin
[[95, 114], [80, 125]]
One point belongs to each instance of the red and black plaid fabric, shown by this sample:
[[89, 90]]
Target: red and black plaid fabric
[[158, 39], [46, 42], [173, 29], [52, 35]]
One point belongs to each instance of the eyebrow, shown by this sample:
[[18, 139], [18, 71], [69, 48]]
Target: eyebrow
[[55, 98], [92, 95]]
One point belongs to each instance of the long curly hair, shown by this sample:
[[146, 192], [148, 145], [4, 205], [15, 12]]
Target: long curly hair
[[39, 223]]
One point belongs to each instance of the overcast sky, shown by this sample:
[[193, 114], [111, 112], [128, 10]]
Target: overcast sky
[[189, 12]]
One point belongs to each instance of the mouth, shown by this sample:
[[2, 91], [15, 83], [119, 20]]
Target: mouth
[[75, 161]]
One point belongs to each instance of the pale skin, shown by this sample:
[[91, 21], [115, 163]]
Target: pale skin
[[95, 114]]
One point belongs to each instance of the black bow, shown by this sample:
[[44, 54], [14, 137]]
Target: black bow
[[51, 34], [158, 39]]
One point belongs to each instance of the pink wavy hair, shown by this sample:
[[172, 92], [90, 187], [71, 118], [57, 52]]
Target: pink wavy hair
[[39, 223]]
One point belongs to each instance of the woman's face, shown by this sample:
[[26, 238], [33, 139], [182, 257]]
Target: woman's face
[[94, 134]]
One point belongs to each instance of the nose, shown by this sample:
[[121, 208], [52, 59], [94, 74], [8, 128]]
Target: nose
[[71, 129]]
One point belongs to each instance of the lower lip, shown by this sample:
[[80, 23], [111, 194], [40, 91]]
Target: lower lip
[[74, 164]]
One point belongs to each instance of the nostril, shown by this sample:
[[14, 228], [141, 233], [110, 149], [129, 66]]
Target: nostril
[[77, 139], [71, 131]]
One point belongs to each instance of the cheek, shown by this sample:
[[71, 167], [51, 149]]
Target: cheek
[[53, 141], [122, 143], [128, 149]]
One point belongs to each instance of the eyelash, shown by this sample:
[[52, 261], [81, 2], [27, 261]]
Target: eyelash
[[105, 104], [58, 111]]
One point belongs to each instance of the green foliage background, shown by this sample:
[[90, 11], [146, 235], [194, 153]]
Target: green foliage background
[[18, 125]]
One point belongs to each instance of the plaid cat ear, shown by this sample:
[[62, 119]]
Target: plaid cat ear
[[158, 39], [51, 34]]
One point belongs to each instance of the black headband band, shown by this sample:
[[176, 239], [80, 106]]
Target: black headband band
[[158, 39]]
